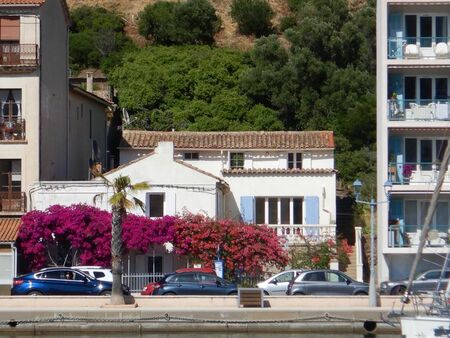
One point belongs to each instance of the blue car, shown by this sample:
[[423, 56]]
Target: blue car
[[193, 283], [61, 281]]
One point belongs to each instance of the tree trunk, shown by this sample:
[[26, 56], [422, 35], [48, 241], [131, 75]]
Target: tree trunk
[[118, 213]]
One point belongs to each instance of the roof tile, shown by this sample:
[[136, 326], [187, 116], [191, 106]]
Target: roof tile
[[9, 229], [230, 140], [22, 2]]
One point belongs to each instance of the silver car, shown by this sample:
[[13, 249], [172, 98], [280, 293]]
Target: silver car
[[278, 284]]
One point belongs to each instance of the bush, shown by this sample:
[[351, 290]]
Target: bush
[[169, 23], [252, 16], [288, 22]]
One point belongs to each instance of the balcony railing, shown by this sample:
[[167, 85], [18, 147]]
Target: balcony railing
[[12, 201], [19, 55], [296, 234], [419, 48], [406, 236], [12, 129], [415, 173], [418, 110]]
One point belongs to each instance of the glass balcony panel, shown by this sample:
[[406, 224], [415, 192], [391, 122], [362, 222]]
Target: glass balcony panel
[[428, 110], [418, 47]]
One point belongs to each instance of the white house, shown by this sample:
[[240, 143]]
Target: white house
[[413, 114], [284, 179]]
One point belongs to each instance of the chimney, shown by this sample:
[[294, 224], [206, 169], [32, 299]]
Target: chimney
[[90, 82]]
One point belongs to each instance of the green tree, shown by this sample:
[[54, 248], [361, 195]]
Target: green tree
[[170, 23], [120, 202], [252, 16]]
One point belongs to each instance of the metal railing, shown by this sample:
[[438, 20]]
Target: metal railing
[[415, 172], [12, 129], [297, 233], [137, 281], [13, 201], [405, 236], [432, 110], [21, 55], [418, 47]]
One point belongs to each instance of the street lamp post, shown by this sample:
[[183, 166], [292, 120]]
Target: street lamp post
[[372, 287]]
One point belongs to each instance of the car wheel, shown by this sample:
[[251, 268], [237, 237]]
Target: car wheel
[[361, 293], [105, 293], [266, 293], [233, 293], [398, 290], [169, 294], [35, 293], [299, 294]]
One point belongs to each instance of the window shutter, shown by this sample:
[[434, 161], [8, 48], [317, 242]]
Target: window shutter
[[248, 209], [6, 268], [395, 43], [10, 29], [396, 209], [395, 147], [312, 209], [147, 204]]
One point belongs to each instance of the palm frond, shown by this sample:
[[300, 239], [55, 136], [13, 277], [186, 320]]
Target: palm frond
[[139, 203], [140, 186]]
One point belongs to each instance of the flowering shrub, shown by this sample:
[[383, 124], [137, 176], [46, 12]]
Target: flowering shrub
[[407, 170], [82, 234], [317, 255]]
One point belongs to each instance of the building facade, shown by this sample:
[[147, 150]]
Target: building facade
[[413, 125]]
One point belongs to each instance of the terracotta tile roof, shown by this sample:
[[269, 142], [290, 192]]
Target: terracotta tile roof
[[230, 140], [190, 166], [21, 2], [9, 229], [276, 171]]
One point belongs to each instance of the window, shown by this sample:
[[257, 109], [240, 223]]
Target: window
[[10, 103], [154, 264], [285, 277], [236, 160], [184, 278], [278, 210], [10, 29], [424, 152], [315, 277], [155, 205], [207, 278], [416, 211], [98, 274], [191, 156], [294, 160], [335, 278]]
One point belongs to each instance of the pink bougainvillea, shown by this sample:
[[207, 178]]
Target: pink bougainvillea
[[85, 232]]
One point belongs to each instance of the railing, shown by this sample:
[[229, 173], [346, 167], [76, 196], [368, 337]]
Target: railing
[[137, 281], [414, 172], [21, 55], [405, 236], [13, 201], [296, 234], [12, 129], [418, 47], [432, 110]]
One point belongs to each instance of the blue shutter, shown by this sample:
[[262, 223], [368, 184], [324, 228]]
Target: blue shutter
[[396, 209], [248, 209], [312, 210], [395, 39], [147, 204]]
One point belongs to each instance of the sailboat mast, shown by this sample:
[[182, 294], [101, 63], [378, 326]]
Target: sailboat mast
[[426, 225]]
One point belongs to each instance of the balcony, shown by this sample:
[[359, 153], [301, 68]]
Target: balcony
[[408, 236], [415, 173], [419, 48], [12, 201], [296, 234], [12, 129], [418, 110], [18, 55]]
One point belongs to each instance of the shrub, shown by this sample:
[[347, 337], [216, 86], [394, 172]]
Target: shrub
[[169, 23], [252, 16], [288, 22]]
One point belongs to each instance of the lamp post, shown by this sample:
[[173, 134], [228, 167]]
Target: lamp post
[[357, 186]]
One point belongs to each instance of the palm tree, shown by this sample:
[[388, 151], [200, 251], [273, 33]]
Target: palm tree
[[120, 203]]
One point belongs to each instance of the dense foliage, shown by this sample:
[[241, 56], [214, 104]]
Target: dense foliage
[[80, 234], [176, 23], [189, 88], [252, 16], [97, 38]]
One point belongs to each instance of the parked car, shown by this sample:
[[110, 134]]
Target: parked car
[[278, 284], [425, 282], [96, 271], [191, 283], [326, 282], [61, 281]]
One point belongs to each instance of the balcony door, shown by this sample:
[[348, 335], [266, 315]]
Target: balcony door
[[428, 29]]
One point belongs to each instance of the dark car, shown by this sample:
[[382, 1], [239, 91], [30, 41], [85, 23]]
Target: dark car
[[192, 283], [326, 282], [61, 281], [425, 282]]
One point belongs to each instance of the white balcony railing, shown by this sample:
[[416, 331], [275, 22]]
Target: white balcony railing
[[297, 233]]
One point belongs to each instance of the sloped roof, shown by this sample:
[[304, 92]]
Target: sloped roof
[[230, 140], [9, 229], [22, 2]]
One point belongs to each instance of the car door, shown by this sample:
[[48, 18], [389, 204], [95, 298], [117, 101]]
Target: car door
[[53, 283], [338, 284], [80, 285], [279, 283], [210, 284], [183, 284], [427, 282], [314, 283]]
